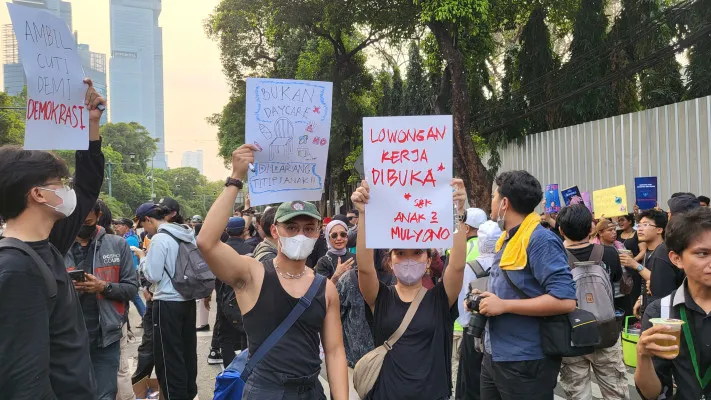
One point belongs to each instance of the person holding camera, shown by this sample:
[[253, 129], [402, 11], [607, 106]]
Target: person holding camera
[[476, 275], [419, 365], [530, 261]]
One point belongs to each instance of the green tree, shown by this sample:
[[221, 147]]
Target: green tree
[[12, 119], [417, 91], [698, 72], [396, 96], [133, 142], [589, 36]]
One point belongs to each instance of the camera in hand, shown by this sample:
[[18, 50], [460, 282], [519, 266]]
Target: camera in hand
[[477, 322]]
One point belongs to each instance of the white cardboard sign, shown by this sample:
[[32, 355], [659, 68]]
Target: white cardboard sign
[[56, 117], [290, 121], [408, 165]]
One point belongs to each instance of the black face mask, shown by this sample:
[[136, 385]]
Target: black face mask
[[86, 231]]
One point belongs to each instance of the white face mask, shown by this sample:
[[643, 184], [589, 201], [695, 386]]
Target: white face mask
[[69, 200], [409, 272], [297, 248]]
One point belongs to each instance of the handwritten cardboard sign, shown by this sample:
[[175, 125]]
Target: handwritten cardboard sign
[[610, 202], [408, 165], [56, 118], [290, 121]]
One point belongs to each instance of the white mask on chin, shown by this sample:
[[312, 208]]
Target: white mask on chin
[[297, 248]]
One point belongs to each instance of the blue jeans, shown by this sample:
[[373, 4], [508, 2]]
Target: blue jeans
[[138, 302], [106, 361]]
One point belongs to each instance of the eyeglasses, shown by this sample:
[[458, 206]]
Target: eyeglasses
[[647, 225], [294, 230], [350, 218], [66, 182], [335, 235]]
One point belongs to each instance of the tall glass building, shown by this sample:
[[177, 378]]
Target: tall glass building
[[137, 68]]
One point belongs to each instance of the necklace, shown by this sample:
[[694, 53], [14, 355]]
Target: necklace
[[289, 275]]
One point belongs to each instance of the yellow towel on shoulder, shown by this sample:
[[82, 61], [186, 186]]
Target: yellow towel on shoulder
[[515, 257]]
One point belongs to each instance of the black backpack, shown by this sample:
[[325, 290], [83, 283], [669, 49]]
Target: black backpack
[[193, 278], [39, 264]]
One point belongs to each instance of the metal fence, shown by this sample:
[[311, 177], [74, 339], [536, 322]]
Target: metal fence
[[670, 142]]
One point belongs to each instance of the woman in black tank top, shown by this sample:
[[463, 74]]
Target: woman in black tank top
[[419, 364]]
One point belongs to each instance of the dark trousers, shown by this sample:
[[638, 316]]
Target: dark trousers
[[519, 380], [215, 343], [105, 361], [144, 364], [270, 386], [175, 348], [469, 369], [231, 337]]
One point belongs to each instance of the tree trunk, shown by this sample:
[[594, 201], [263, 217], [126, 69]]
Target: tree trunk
[[467, 163]]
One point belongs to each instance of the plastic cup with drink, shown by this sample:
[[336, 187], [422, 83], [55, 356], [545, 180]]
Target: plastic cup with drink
[[673, 329]]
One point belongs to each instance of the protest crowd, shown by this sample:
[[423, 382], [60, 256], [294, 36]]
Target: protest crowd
[[510, 304]]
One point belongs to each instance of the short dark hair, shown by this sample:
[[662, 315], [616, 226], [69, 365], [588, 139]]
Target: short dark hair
[[629, 217], [106, 220], [704, 199], [677, 194], [267, 221], [660, 218], [521, 188], [20, 171], [575, 221], [354, 211], [686, 227]]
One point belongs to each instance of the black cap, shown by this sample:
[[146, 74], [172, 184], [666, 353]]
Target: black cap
[[123, 221], [170, 204], [683, 203]]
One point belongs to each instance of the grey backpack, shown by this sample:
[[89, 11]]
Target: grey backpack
[[193, 278], [594, 293]]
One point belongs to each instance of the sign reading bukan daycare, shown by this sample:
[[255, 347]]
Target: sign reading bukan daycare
[[56, 117], [408, 166]]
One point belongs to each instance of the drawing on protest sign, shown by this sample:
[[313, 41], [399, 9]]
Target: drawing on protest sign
[[572, 196], [552, 198], [610, 202], [408, 165], [56, 118], [290, 122], [646, 192]]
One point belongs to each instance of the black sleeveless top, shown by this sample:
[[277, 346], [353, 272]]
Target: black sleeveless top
[[296, 354]]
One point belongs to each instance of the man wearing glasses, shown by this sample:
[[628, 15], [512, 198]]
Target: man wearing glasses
[[656, 269], [44, 341]]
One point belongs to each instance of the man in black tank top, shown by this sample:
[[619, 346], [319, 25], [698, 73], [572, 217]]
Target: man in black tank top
[[266, 294]]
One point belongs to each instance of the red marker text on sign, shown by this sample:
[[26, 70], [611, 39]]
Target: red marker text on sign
[[61, 114], [422, 203], [408, 177], [420, 235], [434, 219], [414, 135], [410, 218], [400, 156]]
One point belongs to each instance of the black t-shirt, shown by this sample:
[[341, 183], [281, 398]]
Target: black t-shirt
[[30, 335], [631, 244], [420, 364], [327, 264], [666, 277], [609, 257]]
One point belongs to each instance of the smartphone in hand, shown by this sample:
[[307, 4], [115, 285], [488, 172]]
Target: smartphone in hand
[[77, 275]]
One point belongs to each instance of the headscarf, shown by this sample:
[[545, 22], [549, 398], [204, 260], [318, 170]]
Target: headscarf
[[489, 234], [329, 227]]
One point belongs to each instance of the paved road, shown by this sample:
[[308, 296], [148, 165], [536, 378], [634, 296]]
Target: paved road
[[207, 373]]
